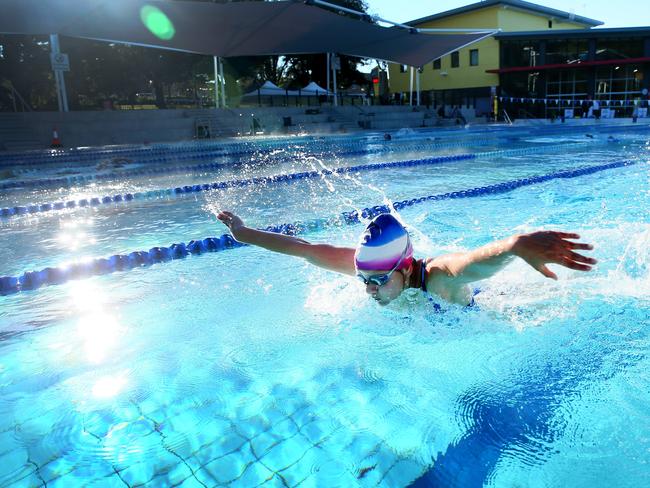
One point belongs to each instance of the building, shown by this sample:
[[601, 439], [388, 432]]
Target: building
[[544, 73], [469, 77]]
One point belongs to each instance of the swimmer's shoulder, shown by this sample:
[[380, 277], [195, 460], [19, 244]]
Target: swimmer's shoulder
[[441, 282]]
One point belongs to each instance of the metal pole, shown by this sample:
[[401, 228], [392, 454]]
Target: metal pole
[[58, 76], [216, 82], [417, 87], [411, 88], [223, 85], [336, 102], [328, 76]]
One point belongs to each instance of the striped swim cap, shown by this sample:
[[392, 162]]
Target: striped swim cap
[[384, 245]]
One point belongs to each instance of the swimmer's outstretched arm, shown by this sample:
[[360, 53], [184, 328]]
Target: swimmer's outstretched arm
[[537, 248], [339, 259]]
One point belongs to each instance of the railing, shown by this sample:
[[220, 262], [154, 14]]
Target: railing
[[15, 95]]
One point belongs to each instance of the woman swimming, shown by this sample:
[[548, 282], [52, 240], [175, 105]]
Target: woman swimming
[[383, 259]]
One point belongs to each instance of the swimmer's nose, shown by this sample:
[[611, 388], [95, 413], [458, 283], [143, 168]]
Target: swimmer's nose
[[371, 288]]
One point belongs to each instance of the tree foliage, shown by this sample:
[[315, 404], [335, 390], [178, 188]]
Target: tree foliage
[[124, 73]]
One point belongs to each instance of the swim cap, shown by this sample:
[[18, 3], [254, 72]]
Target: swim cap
[[383, 244]]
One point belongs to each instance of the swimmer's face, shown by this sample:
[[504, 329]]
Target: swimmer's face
[[387, 292]]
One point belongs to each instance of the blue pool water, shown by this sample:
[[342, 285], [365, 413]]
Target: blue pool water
[[245, 368]]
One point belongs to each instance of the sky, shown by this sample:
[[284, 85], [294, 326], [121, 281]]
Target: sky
[[615, 13]]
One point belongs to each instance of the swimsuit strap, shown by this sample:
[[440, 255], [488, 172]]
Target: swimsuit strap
[[423, 276]]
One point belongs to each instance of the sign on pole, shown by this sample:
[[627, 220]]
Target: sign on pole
[[60, 62]]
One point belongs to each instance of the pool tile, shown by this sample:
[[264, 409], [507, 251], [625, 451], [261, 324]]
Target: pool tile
[[56, 469], [254, 475], [175, 475], [304, 466], [304, 416], [230, 467], [285, 453], [285, 429], [316, 431], [189, 443], [403, 472], [25, 480], [200, 472], [8, 442], [264, 442], [193, 482], [362, 446], [138, 473], [329, 473], [253, 426]]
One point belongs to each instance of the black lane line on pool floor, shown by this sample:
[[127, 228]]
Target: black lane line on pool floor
[[31, 280]]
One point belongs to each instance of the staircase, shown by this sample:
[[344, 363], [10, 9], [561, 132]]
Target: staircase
[[17, 137]]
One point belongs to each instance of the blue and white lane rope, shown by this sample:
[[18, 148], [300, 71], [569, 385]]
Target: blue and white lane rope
[[201, 149], [68, 181], [31, 280], [266, 180]]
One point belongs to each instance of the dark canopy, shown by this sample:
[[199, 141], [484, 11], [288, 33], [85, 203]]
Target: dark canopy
[[229, 29]]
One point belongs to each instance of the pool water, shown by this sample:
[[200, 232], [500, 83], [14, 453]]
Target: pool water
[[247, 368]]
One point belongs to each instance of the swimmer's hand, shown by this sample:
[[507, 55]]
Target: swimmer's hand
[[541, 248], [230, 220]]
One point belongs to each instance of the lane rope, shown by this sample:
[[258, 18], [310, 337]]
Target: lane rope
[[31, 280], [9, 212]]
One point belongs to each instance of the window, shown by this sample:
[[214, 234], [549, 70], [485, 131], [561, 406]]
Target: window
[[550, 24], [473, 57], [455, 59], [403, 68], [436, 63]]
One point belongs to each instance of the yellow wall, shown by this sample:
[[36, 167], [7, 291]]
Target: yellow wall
[[466, 76]]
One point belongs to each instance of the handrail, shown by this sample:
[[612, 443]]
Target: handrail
[[16, 94], [507, 117]]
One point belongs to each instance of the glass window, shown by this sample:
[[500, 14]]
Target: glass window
[[436, 63], [403, 68], [567, 51], [520, 53], [473, 57], [619, 48], [455, 59]]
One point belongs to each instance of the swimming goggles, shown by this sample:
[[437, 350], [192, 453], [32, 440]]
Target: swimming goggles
[[382, 279]]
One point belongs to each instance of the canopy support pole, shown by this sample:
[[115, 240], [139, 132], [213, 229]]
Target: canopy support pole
[[411, 88], [61, 93], [216, 82], [417, 87], [336, 101], [223, 85], [328, 76]]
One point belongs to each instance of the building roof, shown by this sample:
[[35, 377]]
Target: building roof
[[643, 31], [227, 29], [519, 4]]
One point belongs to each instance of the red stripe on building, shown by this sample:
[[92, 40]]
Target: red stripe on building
[[582, 64]]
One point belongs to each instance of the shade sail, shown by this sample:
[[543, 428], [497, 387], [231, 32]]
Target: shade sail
[[227, 29]]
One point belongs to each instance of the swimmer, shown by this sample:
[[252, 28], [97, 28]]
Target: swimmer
[[590, 136], [387, 137], [5, 174], [113, 163], [383, 260]]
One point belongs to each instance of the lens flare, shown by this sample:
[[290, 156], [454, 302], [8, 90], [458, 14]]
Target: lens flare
[[157, 22]]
